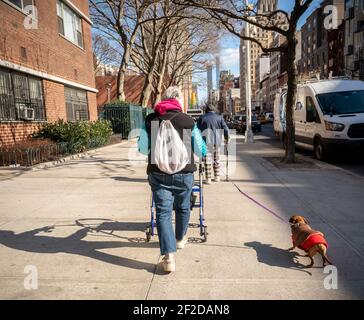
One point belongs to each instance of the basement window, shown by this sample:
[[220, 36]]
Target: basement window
[[69, 24]]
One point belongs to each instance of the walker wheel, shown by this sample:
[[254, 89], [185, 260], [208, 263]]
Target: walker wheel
[[204, 234], [148, 234]]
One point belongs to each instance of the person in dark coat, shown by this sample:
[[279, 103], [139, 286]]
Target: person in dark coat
[[213, 128]]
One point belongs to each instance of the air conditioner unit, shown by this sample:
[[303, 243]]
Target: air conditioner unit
[[25, 113]]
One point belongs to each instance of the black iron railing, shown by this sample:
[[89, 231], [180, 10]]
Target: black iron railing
[[14, 156]]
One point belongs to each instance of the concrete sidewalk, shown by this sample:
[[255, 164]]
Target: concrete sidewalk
[[246, 254]]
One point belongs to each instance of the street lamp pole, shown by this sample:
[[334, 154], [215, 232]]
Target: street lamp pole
[[249, 136], [108, 87]]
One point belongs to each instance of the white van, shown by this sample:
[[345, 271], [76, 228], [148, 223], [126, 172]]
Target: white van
[[328, 114]]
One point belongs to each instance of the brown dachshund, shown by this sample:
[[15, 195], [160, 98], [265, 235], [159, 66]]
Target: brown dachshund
[[307, 239]]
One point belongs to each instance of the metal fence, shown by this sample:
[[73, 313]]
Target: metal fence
[[30, 156], [125, 118]]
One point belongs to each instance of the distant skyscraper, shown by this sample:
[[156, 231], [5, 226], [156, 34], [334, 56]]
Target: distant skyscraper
[[266, 6], [209, 82], [265, 38], [217, 72]]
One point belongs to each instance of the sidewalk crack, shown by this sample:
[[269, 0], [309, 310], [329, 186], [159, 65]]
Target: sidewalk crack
[[151, 281]]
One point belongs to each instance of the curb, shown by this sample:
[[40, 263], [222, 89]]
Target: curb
[[329, 166]]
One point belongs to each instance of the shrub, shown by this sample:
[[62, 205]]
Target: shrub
[[80, 135]]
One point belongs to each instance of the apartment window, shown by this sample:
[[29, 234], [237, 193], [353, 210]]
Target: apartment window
[[76, 104], [69, 24], [21, 97], [21, 4]]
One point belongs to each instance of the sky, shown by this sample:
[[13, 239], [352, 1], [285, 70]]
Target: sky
[[229, 48]]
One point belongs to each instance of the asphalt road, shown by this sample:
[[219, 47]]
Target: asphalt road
[[351, 162]]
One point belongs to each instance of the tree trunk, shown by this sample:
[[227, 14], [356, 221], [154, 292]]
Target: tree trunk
[[290, 155], [120, 84], [160, 81], [159, 89], [121, 74], [147, 89]]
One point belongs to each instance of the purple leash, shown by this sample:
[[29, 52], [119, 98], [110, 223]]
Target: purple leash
[[261, 205]]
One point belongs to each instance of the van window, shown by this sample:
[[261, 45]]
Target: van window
[[311, 112], [342, 102]]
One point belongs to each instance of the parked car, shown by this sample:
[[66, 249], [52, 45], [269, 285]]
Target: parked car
[[262, 119], [329, 115], [236, 121], [269, 118], [256, 126]]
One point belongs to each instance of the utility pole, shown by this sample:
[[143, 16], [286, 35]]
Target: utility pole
[[249, 136]]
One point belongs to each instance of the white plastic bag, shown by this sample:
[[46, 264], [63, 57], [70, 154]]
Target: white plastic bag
[[170, 154]]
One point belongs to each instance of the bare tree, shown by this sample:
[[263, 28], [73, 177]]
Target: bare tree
[[170, 47], [230, 14], [150, 49], [104, 53], [120, 21]]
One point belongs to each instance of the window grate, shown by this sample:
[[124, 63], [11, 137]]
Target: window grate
[[76, 104], [21, 97]]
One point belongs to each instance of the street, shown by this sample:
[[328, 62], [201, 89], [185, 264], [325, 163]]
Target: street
[[81, 225], [349, 162]]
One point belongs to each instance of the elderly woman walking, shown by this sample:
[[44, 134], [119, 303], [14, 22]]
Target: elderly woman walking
[[172, 190]]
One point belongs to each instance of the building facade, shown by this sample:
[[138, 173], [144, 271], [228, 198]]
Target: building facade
[[46, 65], [226, 83], [265, 38], [315, 42], [354, 38], [276, 69], [233, 97], [336, 51]]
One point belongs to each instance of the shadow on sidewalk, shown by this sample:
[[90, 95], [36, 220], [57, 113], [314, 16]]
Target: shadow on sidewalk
[[276, 257], [127, 179], [32, 241]]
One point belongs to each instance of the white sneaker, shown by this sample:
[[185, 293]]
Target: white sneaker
[[181, 244], [169, 263], [217, 179], [208, 181]]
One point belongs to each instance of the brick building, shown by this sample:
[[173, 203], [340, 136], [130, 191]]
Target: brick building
[[46, 65], [226, 83], [107, 90], [354, 38], [336, 51], [314, 40]]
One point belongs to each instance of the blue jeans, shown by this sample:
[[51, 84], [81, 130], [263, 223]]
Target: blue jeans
[[168, 190]]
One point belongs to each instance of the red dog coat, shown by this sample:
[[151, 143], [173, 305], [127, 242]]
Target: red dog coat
[[313, 240]]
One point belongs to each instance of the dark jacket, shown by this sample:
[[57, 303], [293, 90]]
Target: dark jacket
[[211, 125], [180, 122]]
